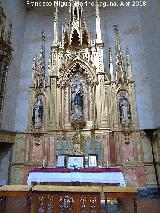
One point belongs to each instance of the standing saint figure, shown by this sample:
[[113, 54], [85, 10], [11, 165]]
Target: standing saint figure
[[77, 97], [38, 112], [125, 112]]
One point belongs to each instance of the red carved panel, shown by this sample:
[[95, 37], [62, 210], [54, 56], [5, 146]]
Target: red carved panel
[[130, 176], [112, 143], [128, 152], [37, 153], [141, 176], [26, 171], [52, 152]]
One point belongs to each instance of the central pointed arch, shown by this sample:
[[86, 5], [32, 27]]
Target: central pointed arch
[[86, 69], [78, 80]]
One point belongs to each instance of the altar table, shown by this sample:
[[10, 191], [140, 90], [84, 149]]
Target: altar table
[[87, 175], [111, 192], [15, 191]]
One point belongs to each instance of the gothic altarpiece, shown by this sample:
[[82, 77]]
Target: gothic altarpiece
[[76, 108]]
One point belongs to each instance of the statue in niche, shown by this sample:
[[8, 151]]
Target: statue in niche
[[77, 97], [125, 112], [38, 112]]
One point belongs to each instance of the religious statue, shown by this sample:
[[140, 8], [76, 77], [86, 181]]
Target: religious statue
[[77, 97], [124, 108], [38, 112]]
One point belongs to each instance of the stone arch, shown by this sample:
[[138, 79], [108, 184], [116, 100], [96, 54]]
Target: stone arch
[[88, 76], [87, 70]]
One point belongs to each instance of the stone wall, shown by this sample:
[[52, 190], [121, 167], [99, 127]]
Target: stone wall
[[149, 21], [16, 12]]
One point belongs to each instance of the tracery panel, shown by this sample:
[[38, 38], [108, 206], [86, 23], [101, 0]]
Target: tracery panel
[[69, 202]]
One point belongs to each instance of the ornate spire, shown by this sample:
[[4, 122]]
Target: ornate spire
[[49, 64], [39, 71], [111, 65], [97, 10], [34, 64], [98, 24], [34, 68], [3, 33], [129, 64], [9, 33], [42, 52], [75, 26], [120, 66], [75, 10], [55, 39], [3, 17]]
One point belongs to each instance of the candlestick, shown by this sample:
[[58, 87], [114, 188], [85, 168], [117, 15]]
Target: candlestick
[[107, 153], [107, 163], [43, 163]]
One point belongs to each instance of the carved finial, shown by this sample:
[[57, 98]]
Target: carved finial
[[120, 66], [111, 65], [56, 14], [3, 32], [2, 23], [9, 30], [70, 5], [65, 21], [110, 55], [129, 64], [34, 69], [117, 40], [97, 10], [34, 64], [98, 25], [39, 70], [42, 51], [55, 38], [49, 64], [43, 36], [2, 14]]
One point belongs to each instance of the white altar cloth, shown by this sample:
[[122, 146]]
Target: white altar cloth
[[96, 177]]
